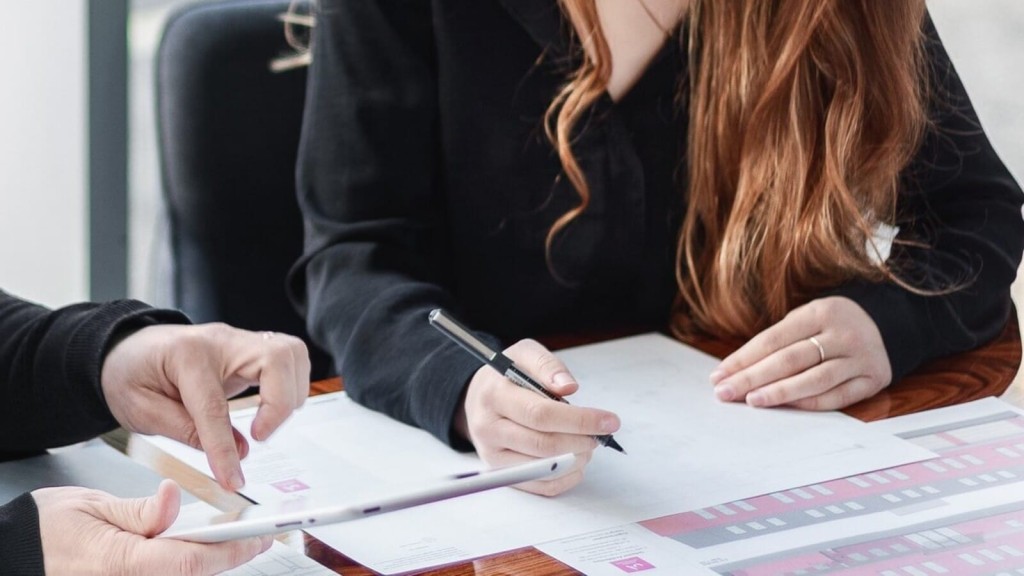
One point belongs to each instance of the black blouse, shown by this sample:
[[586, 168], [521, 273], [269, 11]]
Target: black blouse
[[426, 181]]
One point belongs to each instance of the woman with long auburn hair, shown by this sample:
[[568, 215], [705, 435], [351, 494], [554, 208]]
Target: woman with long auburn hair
[[805, 175]]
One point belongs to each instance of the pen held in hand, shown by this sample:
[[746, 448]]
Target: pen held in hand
[[498, 361]]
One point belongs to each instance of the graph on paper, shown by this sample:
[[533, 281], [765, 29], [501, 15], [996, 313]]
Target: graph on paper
[[960, 513]]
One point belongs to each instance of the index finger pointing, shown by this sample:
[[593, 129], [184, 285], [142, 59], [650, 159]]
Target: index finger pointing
[[203, 398]]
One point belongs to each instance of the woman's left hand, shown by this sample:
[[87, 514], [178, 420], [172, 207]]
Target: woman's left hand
[[824, 355]]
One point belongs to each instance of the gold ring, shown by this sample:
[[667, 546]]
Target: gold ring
[[821, 349]]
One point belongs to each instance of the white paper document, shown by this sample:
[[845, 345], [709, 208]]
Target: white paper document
[[280, 560], [686, 450], [961, 513]]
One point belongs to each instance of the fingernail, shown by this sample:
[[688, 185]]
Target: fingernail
[[725, 393], [716, 376], [563, 379], [609, 424], [755, 399], [237, 481]]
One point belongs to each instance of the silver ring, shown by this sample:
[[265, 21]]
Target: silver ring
[[821, 349]]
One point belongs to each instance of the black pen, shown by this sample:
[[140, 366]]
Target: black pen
[[463, 337]]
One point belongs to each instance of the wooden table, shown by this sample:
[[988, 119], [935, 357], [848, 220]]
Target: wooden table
[[987, 371]]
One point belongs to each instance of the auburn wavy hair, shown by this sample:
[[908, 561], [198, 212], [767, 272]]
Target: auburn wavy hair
[[802, 115]]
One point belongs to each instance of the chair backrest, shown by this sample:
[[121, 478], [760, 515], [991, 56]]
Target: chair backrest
[[228, 136]]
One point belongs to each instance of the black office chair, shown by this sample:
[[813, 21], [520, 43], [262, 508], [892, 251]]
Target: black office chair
[[229, 131]]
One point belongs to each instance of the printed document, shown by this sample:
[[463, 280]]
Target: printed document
[[960, 513], [686, 451]]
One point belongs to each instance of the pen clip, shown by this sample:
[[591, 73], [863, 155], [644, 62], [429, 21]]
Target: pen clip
[[461, 334]]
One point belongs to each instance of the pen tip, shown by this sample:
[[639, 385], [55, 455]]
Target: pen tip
[[615, 445]]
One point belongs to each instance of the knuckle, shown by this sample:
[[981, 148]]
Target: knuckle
[[222, 328], [775, 340], [730, 365], [799, 310], [214, 331], [480, 399], [820, 310], [543, 444], [773, 396], [529, 343], [193, 340], [853, 339], [213, 408], [521, 348], [791, 360], [828, 375], [91, 497], [843, 340], [743, 382], [535, 414], [190, 563], [814, 403], [281, 356], [488, 396], [831, 306], [547, 363], [190, 435], [585, 422]]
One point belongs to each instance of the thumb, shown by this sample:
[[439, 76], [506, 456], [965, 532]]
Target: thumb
[[145, 516]]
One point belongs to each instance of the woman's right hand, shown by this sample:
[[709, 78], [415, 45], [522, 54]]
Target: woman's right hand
[[91, 532], [508, 424]]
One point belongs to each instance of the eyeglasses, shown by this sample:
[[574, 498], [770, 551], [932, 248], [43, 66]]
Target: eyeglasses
[[299, 23]]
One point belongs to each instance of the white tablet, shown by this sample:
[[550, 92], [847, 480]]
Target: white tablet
[[295, 514]]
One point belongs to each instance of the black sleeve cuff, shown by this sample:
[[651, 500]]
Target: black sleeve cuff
[[21, 547], [440, 382]]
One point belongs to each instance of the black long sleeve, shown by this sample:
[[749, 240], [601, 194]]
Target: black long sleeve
[[382, 273], [50, 394], [961, 215], [50, 365], [425, 181]]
